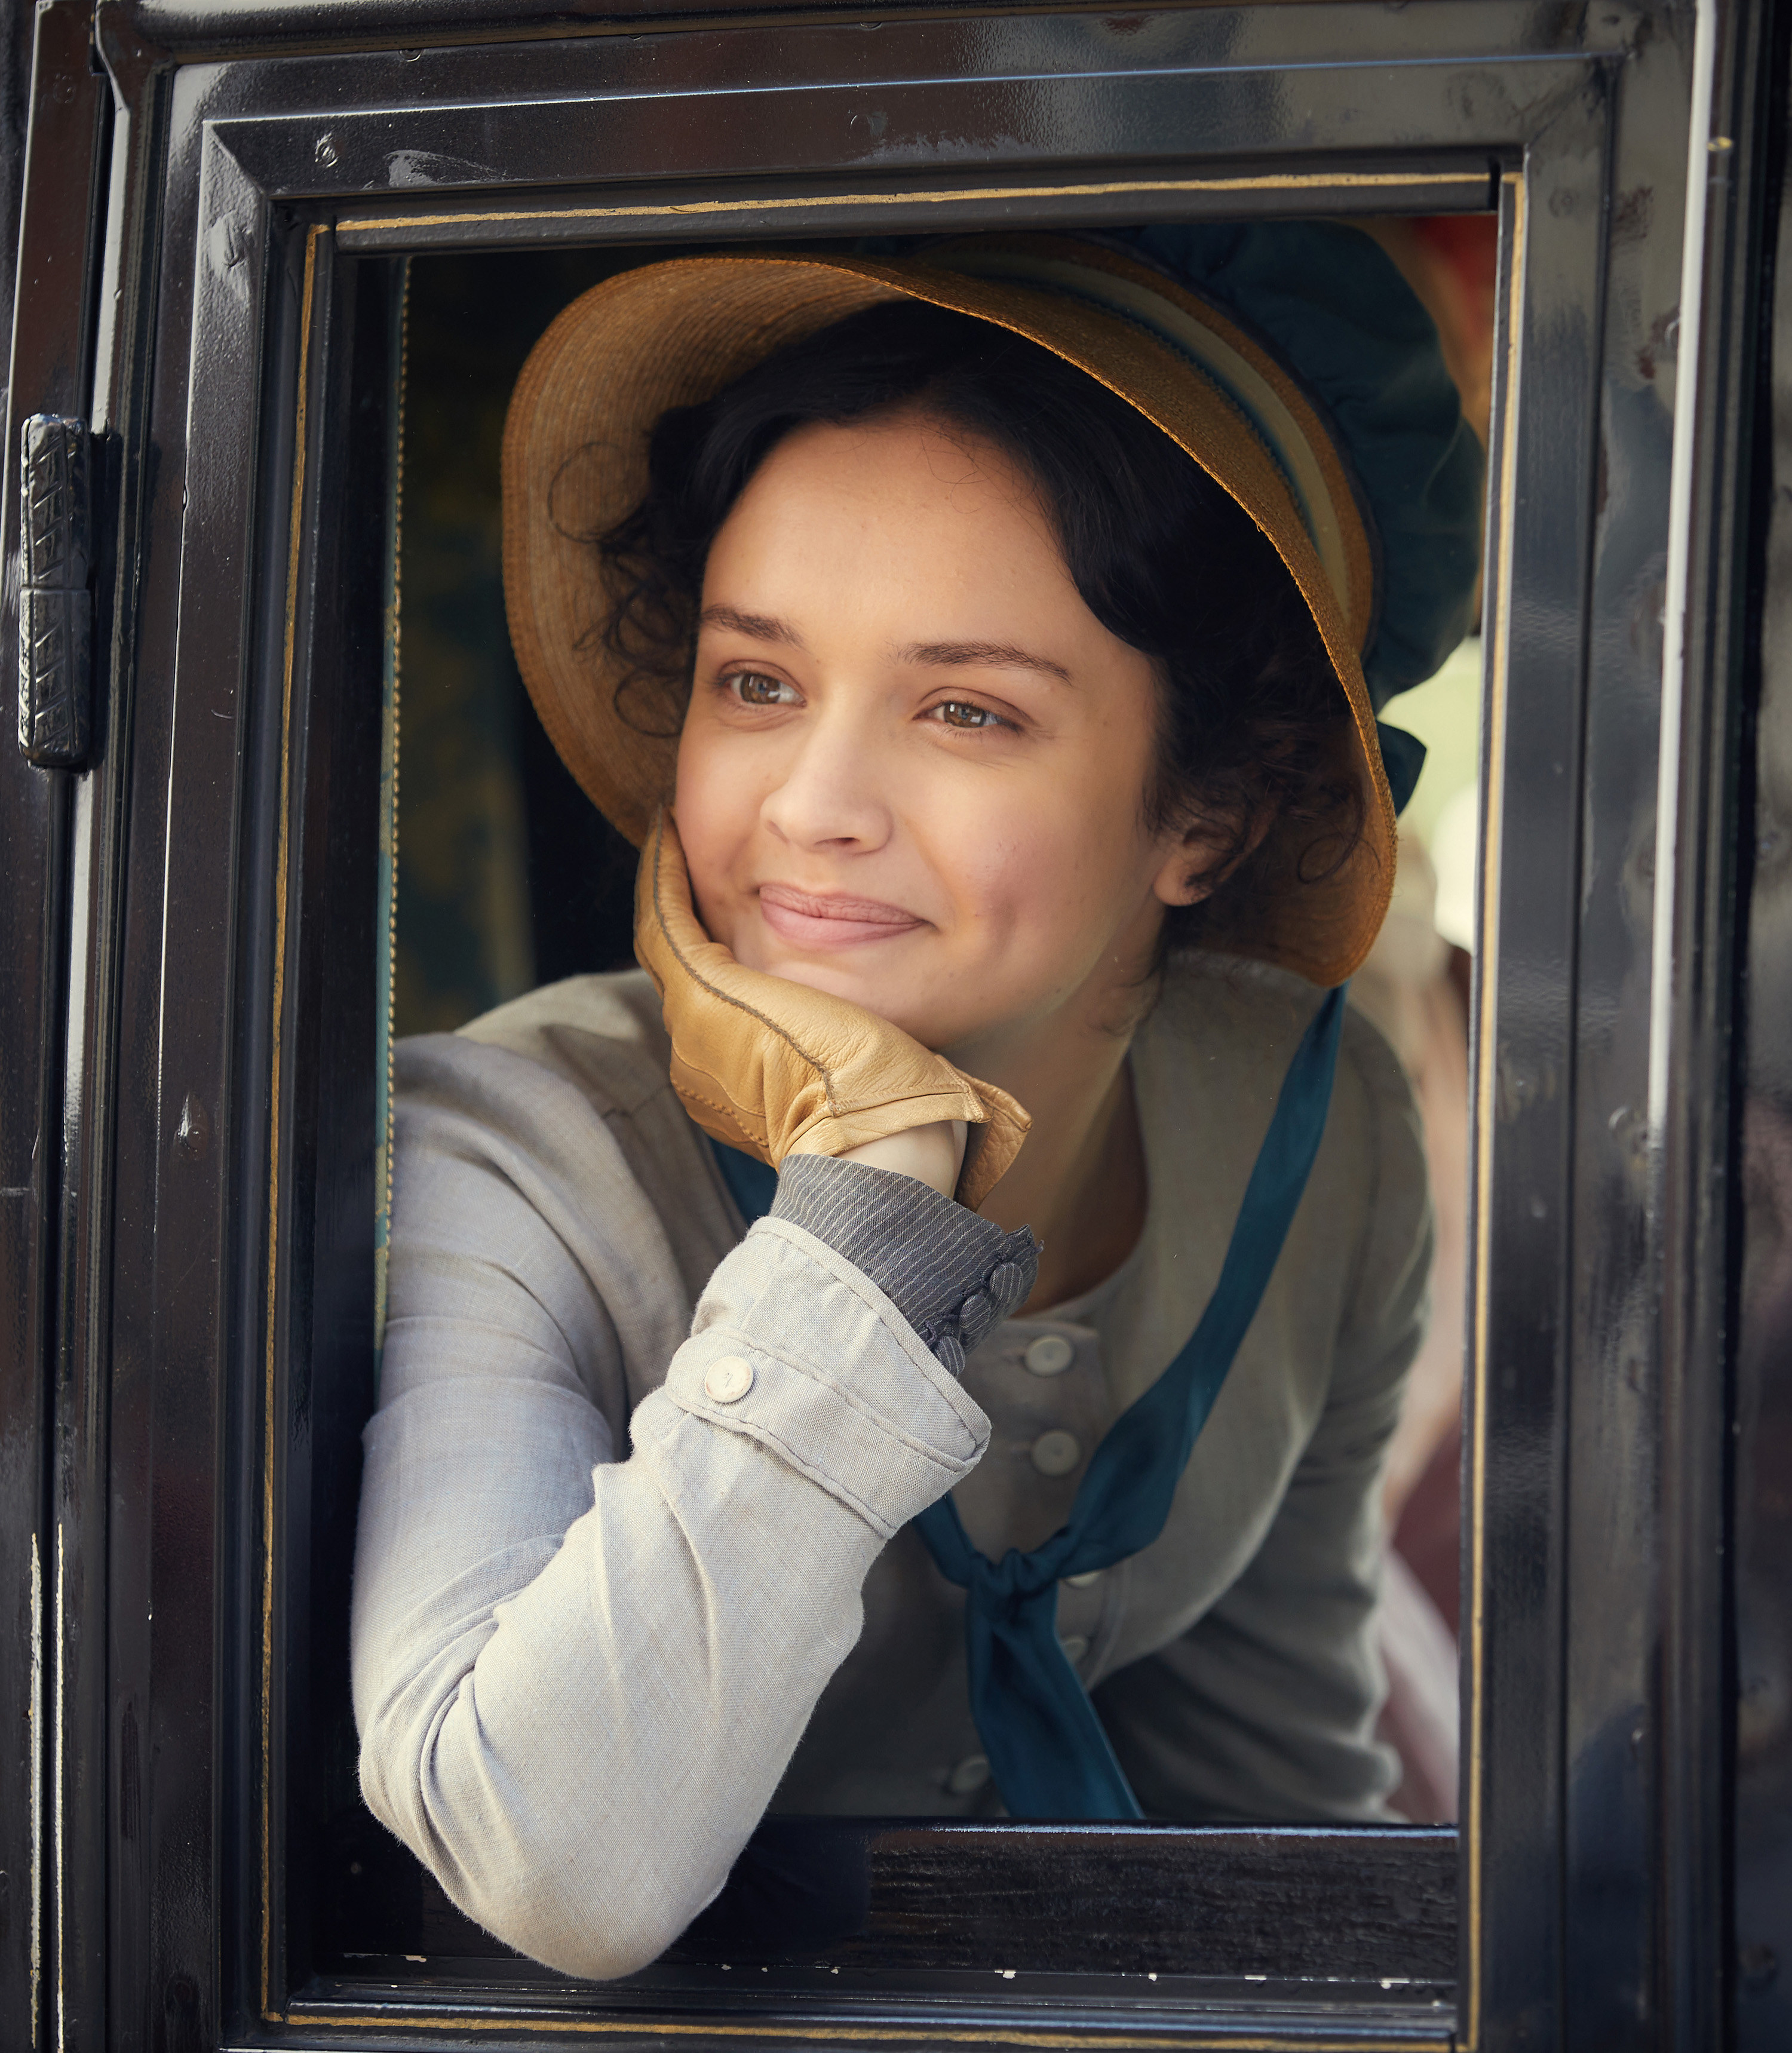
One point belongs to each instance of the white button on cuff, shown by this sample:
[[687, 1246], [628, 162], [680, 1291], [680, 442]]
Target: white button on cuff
[[1075, 1646], [1083, 1582], [1056, 1453], [1050, 1355], [728, 1380], [968, 1776]]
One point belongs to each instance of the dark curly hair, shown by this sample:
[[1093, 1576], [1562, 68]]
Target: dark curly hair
[[1253, 726]]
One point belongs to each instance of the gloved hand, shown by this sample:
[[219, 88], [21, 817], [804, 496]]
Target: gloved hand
[[764, 1064]]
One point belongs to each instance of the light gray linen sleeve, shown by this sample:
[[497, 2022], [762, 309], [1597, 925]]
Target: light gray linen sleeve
[[1265, 1709], [578, 1678]]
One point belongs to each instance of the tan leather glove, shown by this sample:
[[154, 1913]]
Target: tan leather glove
[[763, 1064]]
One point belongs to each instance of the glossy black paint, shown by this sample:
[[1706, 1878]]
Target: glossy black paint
[[326, 1255], [1701, 1217], [856, 1918], [1760, 1561], [1649, 1704], [51, 1618], [213, 1023], [818, 1895]]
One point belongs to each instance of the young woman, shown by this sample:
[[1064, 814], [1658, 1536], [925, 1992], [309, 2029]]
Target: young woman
[[975, 644]]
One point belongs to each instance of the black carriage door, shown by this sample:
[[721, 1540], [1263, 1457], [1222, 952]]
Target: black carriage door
[[201, 979], [52, 1478]]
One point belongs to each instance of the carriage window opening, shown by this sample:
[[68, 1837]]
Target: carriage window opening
[[509, 881]]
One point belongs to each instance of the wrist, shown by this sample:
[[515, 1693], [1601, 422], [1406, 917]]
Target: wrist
[[932, 1154]]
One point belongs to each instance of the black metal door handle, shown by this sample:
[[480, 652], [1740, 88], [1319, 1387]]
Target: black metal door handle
[[55, 604]]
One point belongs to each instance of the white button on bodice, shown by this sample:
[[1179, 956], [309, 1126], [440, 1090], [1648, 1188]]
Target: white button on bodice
[[1056, 1453], [1083, 1582], [968, 1775], [1050, 1355], [1075, 1646], [730, 1379]]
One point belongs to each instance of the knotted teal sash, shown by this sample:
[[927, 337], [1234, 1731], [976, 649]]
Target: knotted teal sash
[[1048, 1749]]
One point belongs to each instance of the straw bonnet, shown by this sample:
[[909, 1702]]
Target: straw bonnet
[[672, 334]]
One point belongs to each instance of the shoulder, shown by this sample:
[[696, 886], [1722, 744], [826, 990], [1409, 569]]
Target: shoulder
[[1235, 1025], [540, 1070], [550, 1063], [602, 1034], [1232, 1028], [563, 1095]]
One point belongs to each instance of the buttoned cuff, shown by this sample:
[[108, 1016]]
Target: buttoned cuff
[[952, 1274], [794, 1347]]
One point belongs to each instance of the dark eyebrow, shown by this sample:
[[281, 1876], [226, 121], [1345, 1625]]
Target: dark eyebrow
[[762, 626], [952, 653]]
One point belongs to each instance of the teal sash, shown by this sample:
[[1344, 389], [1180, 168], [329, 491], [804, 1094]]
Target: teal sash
[[1048, 1749]]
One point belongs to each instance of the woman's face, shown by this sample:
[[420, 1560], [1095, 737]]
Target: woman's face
[[913, 768]]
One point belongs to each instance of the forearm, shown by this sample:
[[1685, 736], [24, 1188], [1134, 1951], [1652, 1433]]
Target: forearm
[[577, 1737], [582, 1784]]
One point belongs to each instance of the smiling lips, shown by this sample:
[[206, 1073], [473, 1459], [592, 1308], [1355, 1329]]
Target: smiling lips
[[806, 922]]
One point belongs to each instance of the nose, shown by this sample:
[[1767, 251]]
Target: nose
[[831, 797]]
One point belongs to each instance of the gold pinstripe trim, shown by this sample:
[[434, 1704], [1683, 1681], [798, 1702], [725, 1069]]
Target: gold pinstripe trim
[[1469, 183], [647, 2027], [1472, 187], [282, 870], [1497, 609]]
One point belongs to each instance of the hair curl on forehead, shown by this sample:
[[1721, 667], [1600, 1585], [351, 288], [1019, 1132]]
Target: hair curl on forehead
[[1252, 726]]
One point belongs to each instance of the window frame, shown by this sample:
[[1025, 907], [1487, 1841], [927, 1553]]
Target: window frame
[[1594, 1700]]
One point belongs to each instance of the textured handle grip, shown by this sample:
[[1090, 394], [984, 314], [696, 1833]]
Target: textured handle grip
[[55, 606]]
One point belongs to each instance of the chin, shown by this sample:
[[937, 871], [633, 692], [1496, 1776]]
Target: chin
[[887, 996]]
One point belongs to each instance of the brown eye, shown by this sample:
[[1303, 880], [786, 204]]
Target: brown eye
[[959, 712], [754, 687]]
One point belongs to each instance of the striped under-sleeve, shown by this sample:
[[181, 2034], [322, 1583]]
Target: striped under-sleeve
[[952, 1274]]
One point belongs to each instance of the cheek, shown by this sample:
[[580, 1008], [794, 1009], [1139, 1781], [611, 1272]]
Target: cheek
[[716, 813], [1046, 881]]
